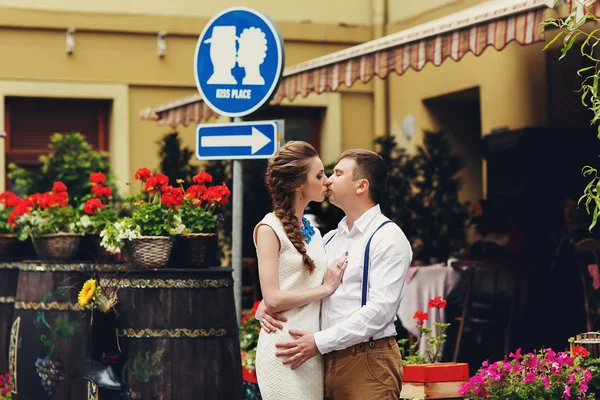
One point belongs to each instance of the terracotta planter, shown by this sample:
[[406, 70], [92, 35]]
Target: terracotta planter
[[433, 381], [57, 246]]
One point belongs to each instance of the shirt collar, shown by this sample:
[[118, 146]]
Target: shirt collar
[[363, 221]]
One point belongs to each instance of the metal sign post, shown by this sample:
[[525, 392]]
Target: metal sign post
[[237, 222], [237, 66]]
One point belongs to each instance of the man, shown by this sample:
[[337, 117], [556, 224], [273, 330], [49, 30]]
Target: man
[[358, 333]]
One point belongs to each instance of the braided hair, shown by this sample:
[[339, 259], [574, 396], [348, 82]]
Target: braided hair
[[287, 171]]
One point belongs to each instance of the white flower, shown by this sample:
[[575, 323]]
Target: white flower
[[85, 221]]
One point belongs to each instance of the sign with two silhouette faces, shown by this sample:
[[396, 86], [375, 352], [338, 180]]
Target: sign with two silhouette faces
[[238, 61]]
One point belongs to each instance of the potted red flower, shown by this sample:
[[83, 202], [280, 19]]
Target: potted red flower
[[95, 212], [11, 206], [425, 375], [198, 214], [147, 235], [49, 220]]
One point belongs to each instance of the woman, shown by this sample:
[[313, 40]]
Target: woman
[[293, 270]]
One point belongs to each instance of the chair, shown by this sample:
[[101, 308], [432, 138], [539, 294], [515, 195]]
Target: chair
[[489, 299]]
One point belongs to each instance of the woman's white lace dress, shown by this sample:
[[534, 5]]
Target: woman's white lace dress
[[278, 381]]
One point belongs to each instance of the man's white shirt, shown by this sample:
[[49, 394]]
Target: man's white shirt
[[343, 321]]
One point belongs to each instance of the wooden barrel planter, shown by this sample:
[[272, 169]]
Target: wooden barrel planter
[[50, 335], [179, 332], [8, 287]]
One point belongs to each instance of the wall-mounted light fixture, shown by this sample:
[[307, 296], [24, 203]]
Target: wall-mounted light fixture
[[161, 44], [70, 41]]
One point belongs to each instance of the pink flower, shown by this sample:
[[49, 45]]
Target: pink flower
[[4, 391], [566, 393], [530, 377], [546, 381]]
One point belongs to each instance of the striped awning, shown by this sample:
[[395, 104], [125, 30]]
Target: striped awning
[[493, 23]]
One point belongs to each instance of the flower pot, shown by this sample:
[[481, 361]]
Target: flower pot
[[57, 246], [249, 375], [194, 250], [148, 251], [433, 381], [438, 372], [90, 249], [7, 244]]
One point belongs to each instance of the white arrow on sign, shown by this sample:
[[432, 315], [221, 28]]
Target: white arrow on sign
[[257, 141]]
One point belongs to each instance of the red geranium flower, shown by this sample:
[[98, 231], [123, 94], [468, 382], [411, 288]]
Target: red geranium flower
[[172, 196], [196, 192], [217, 194], [421, 317], [142, 174], [20, 209], [59, 187], [437, 302], [151, 185], [202, 177], [101, 191], [92, 205], [161, 179], [58, 198], [580, 351], [98, 177]]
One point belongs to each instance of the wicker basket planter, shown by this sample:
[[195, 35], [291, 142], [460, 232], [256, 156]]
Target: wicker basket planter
[[148, 251], [194, 250], [7, 244], [57, 246]]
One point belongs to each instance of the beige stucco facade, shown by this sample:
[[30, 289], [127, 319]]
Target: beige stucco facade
[[115, 58]]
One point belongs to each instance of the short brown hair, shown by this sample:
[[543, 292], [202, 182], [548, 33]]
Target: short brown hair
[[369, 166]]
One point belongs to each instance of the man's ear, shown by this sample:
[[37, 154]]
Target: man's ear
[[362, 186]]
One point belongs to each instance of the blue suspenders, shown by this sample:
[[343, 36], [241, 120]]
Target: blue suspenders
[[365, 281]]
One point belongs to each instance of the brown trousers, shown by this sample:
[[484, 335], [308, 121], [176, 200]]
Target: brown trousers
[[364, 372]]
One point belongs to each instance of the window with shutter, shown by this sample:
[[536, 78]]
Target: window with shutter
[[29, 123]]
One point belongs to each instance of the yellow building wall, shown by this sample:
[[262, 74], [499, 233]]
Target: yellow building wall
[[512, 94], [357, 121], [353, 12], [117, 46]]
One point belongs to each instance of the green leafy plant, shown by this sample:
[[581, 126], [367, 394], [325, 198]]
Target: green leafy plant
[[570, 30], [70, 161], [434, 343], [97, 208], [440, 218], [249, 332], [175, 159]]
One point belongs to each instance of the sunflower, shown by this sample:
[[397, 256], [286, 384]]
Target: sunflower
[[87, 293]]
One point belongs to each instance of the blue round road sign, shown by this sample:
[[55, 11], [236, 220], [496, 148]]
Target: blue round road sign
[[238, 61]]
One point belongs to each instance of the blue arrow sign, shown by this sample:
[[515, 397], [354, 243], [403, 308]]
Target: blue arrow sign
[[236, 141], [238, 61]]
